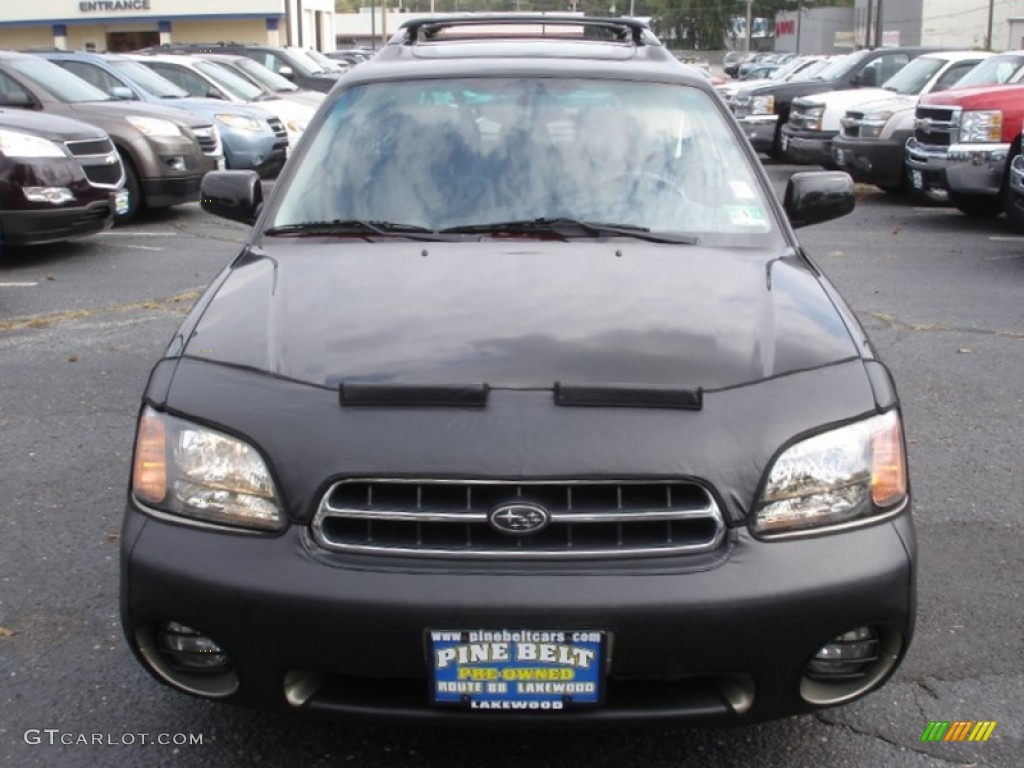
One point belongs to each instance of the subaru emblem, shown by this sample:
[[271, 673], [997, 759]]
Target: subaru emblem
[[519, 519]]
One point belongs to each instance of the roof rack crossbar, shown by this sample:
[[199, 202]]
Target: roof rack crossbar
[[427, 27]]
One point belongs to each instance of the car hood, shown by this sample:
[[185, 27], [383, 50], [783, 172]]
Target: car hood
[[118, 110], [975, 96], [52, 127], [521, 314], [846, 98], [286, 109], [895, 103], [218, 106]]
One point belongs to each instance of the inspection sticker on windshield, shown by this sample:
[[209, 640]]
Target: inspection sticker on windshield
[[516, 670], [746, 216]]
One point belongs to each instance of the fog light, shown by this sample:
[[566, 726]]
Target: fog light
[[176, 162], [54, 195], [846, 656], [187, 650]]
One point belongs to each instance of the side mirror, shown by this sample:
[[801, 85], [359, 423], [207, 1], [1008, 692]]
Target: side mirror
[[234, 195], [122, 93], [215, 93], [286, 72], [15, 99], [816, 196]]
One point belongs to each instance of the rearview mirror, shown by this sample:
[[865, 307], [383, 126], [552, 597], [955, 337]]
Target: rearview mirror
[[816, 196], [234, 195]]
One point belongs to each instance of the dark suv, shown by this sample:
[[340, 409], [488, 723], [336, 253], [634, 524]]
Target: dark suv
[[521, 404], [291, 62], [59, 179], [165, 151]]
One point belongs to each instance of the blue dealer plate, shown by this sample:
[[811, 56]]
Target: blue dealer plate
[[516, 669]]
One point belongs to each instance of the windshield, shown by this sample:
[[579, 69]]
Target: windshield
[[914, 76], [264, 76], [813, 69], [148, 80], [994, 71], [786, 69], [228, 80], [840, 67], [331, 65], [58, 82], [300, 59], [465, 153]]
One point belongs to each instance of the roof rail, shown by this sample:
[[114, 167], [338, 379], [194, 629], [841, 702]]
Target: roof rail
[[428, 27]]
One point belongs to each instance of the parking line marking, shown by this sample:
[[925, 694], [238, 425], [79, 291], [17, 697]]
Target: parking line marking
[[144, 247], [17, 285], [1007, 238], [139, 234]]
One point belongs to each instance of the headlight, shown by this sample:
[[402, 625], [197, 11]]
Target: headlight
[[240, 122], [154, 126], [20, 145], [297, 126], [812, 117], [189, 470], [847, 475], [981, 126], [762, 105], [872, 125]]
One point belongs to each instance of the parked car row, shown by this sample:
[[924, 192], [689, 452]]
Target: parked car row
[[945, 124], [88, 139]]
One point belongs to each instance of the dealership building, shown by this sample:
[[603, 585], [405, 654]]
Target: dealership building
[[123, 25]]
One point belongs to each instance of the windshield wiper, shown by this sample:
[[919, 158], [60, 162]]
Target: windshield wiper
[[354, 227], [568, 227]]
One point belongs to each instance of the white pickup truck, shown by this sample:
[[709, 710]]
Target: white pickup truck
[[815, 120]]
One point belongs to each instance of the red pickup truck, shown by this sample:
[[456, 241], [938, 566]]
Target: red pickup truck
[[964, 142]]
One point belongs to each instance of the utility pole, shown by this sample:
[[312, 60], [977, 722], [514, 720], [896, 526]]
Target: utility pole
[[988, 37], [867, 31], [878, 25], [749, 24], [799, 23]]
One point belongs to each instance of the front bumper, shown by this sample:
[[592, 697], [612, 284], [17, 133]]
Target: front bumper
[[759, 130], [346, 636], [872, 161], [165, 192], [966, 169], [807, 148], [53, 225]]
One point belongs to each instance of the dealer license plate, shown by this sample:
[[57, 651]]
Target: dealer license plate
[[516, 670], [221, 164], [121, 202], [837, 156], [784, 142], [917, 179]]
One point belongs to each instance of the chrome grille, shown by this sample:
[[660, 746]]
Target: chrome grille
[[100, 162], [851, 124], [104, 175], [90, 147], [449, 518], [278, 128], [936, 125], [209, 139]]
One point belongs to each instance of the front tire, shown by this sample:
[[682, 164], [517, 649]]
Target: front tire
[[131, 183], [1012, 207]]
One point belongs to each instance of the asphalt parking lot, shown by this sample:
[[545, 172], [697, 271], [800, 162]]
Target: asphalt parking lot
[[81, 324]]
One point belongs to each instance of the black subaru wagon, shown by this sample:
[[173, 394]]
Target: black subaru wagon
[[522, 404]]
